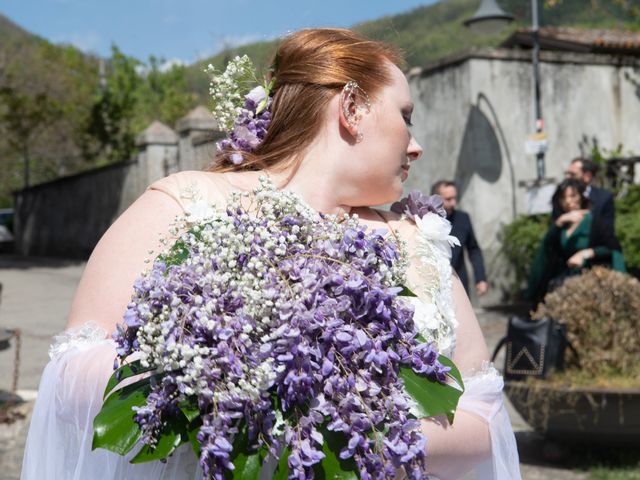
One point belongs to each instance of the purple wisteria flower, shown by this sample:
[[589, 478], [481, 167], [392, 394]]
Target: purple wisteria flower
[[250, 126], [277, 328], [416, 204]]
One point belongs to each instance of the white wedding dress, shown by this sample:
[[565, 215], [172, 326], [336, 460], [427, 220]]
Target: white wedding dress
[[70, 394]]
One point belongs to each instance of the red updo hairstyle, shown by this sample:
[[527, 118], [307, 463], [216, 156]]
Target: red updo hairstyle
[[311, 66]]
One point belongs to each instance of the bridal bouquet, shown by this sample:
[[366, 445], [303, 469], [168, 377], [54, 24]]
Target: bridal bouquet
[[271, 333]]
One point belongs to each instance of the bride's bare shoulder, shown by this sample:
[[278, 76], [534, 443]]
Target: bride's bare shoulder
[[193, 186]]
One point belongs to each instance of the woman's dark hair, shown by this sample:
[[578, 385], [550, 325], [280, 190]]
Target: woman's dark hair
[[574, 184]]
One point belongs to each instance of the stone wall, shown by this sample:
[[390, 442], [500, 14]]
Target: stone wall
[[474, 112], [67, 217]]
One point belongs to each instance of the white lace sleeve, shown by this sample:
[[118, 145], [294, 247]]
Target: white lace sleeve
[[483, 397], [70, 394], [79, 337]]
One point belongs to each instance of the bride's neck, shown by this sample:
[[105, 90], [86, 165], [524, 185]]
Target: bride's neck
[[317, 187], [314, 187], [316, 178]]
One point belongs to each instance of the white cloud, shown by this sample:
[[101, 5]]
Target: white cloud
[[172, 62], [216, 44], [235, 41], [142, 69], [88, 42], [231, 41]]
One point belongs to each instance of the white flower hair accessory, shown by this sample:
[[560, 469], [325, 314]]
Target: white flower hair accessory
[[245, 117]]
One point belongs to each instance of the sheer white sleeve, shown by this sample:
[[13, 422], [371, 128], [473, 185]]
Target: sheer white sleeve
[[70, 394], [483, 397]]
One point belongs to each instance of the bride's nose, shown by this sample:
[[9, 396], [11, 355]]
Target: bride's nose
[[414, 150]]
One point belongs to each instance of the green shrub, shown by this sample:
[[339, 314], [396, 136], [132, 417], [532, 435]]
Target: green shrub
[[520, 241], [628, 228], [628, 232], [630, 201]]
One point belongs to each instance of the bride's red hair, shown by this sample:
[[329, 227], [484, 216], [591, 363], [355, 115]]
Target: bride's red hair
[[311, 66]]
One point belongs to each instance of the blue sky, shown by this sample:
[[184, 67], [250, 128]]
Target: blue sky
[[185, 29]]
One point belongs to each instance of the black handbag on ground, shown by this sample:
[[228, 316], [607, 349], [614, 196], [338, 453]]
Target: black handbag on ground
[[534, 348]]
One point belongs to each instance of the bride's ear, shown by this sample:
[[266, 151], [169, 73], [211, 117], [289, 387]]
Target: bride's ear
[[348, 113], [353, 104]]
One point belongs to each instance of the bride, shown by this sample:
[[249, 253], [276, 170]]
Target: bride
[[339, 136]]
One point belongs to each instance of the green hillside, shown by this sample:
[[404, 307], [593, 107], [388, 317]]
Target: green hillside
[[45, 96], [430, 33], [55, 111], [434, 31]]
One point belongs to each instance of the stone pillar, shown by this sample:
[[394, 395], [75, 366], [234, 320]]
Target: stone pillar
[[158, 153], [198, 132]]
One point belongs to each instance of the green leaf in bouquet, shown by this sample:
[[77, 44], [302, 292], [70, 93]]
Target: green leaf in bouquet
[[282, 470], [114, 428], [178, 253], [432, 398], [454, 373], [125, 371], [173, 434], [246, 460], [407, 292], [193, 429], [248, 465], [189, 407], [332, 466]]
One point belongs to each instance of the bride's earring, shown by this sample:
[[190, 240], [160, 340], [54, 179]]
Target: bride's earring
[[355, 103]]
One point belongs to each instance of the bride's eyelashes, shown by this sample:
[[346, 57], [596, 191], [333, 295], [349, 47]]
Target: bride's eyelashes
[[406, 115]]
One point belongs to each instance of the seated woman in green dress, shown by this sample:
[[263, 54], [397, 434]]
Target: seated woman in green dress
[[577, 239]]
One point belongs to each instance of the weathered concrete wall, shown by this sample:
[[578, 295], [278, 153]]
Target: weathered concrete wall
[[473, 114], [204, 148], [67, 217]]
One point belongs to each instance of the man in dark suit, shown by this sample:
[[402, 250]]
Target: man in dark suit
[[601, 200], [462, 229]]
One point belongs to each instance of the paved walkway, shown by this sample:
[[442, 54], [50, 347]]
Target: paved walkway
[[36, 298]]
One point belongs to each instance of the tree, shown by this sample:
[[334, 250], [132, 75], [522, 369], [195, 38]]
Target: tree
[[134, 94], [112, 114], [164, 94], [24, 117], [629, 6]]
